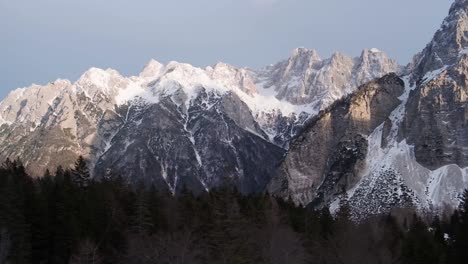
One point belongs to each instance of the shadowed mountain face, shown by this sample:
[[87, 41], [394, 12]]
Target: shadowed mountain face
[[394, 142], [198, 148]]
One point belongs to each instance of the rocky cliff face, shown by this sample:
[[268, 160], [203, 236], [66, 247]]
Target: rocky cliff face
[[446, 45], [435, 121], [326, 158], [409, 149]]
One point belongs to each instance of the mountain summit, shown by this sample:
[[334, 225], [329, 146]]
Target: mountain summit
[[448, 43]]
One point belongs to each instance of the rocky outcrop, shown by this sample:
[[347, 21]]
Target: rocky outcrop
[[436, 118], [436, 113], [447, 43], [325, 159]]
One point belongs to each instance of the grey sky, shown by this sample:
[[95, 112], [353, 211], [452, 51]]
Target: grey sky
[[42, 40]]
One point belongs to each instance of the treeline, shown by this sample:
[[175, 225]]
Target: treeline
[[68, 218]]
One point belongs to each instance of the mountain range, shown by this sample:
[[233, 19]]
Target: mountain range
[[310, 129]]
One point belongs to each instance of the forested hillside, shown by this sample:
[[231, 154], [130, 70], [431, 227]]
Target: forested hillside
[[68, 218]]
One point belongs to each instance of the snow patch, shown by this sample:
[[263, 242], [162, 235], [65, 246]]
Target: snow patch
[[432, 188], [133, 91], [429, 76], [266, 101]]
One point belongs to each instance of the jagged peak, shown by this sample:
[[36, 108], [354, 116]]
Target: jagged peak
[[447, 44], [175, 65], [301, 52], [183, 73], [339, 57], [97, 76], [151, 69], [222, 66], [457, 18], [458, 5], [372, 52], [61, 82], [95, 70]]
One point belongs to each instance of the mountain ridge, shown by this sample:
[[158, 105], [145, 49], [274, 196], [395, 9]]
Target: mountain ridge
[[105, 116]]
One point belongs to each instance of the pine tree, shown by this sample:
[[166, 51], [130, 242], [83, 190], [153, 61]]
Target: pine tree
[[141, 218], [460, 245], [231, 235], [419, 246], [80, 173], [13, 221], [344, 212], [156, 208], [5, 244], [64, 204], [47, 174], [326, 223]]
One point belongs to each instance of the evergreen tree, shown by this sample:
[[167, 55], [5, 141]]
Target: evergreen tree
[[55, 219], [460, 232], [343, 215], [326, 223], [80, 173], [141, 218], [419, 246], [13, 221]]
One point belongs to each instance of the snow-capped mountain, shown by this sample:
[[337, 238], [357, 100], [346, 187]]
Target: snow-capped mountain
[[307, 79], [176, 125], [395, 141]]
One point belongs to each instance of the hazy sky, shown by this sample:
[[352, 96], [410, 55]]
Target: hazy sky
[[42, 40]]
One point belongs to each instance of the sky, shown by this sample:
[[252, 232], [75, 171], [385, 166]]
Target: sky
[[42, 40]]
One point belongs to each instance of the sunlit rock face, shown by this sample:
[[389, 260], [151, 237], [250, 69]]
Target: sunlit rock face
[[447, 44], [436, 114], [48, 126], [305, 78]]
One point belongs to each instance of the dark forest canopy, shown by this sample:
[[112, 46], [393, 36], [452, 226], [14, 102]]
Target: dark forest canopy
[[65, 217]]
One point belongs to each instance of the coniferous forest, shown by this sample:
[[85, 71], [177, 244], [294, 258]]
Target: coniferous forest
[[65, 217]]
